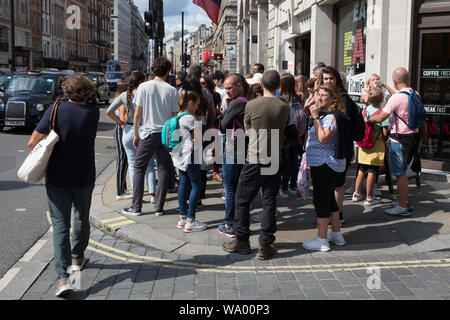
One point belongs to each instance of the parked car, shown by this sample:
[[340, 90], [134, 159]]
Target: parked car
[[101, 87], [114, 77], [5, 79], [27, 97]]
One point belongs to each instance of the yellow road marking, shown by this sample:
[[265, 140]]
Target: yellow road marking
[[121, 223], [113, 219], [269, 269]]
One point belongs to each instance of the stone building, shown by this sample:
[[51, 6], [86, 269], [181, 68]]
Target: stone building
[[225, 39]]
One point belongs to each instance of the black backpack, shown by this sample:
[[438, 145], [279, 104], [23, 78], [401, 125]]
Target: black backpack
[[354, 112]]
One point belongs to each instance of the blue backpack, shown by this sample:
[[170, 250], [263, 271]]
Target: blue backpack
[[169, 128], [417, 111]]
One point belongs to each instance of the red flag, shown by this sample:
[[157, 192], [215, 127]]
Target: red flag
[[206, 56], [211, 7]]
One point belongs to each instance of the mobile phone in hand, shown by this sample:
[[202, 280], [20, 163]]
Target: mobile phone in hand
[[380, 83]]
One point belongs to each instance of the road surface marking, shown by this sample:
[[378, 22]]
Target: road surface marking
[[121, 223], [113, 219], [30, 254], [8, 277], [266, 269], [104, 137], [21, 209]]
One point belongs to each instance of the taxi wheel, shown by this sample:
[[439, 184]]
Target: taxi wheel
[[1, 128]]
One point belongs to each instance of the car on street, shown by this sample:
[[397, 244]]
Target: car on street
[[101, 87], [27, 97], [5, 79], [114, 77]]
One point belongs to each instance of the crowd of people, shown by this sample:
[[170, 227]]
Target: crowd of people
[[266, 125]]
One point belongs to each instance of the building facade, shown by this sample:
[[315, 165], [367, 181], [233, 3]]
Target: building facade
[[361, 37], [139, 41], [122, 34], [225, 38], [252, 36]]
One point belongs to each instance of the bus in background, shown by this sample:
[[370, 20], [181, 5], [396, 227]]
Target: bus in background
[[117, 65]]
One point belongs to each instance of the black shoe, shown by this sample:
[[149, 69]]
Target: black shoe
[[266, 252], [131, 212], [238, 246]]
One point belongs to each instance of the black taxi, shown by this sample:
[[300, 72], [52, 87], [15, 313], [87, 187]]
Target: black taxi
[[27, 97]]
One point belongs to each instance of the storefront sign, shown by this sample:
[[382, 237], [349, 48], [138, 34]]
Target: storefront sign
[[436, 73], [356, 85], [437, 109]]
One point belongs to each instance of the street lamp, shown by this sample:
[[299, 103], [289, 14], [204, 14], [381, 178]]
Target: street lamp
[[99, 3]]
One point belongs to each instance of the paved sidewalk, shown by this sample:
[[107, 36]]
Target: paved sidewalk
[[368, 230]]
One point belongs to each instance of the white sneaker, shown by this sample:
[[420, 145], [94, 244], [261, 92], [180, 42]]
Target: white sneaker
[[316, 245], [283, 195], [194, 226], [293, 192], [357, 197], [398, 211], [158, 214], [181, 223], [336, 238], [370, 202]]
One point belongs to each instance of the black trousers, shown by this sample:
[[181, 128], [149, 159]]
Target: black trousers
[[121, 162], [147, 147], [323, 181], [250, 181]]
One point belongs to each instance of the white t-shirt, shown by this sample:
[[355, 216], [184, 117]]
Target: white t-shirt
[[159, 101], [181, 154]]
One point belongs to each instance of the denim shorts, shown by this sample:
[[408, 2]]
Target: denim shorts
[[397, 155]]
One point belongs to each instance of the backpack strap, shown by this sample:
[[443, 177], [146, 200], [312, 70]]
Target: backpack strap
[[242, 99]]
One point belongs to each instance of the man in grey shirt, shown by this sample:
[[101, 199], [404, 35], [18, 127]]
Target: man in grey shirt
[[156, 102]]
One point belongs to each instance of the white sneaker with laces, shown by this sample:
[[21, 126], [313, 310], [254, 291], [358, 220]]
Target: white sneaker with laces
[[181, 223], [194, 226], [357, 197], [337, 238], [372, 201], [317, 245]]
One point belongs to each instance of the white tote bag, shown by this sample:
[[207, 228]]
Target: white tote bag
[[34, 168]]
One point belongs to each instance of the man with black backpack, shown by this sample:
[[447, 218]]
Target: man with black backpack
[[354, 131], [408, 115]]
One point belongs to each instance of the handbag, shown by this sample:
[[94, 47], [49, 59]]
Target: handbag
[[34, 168], [304, 179]]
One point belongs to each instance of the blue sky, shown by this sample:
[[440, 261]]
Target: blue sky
[[194, 16]]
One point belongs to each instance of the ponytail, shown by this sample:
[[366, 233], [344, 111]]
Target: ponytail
[[186, 97], [137, 77]]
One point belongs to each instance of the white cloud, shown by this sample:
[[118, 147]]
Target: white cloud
[[194, 16]]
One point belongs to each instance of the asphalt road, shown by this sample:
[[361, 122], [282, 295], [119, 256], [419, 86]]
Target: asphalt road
[[23, 206]]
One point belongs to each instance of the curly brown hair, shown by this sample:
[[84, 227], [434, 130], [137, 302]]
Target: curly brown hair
[[78, 88]]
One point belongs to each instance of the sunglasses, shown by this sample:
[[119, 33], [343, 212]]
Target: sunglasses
[[202, 83]]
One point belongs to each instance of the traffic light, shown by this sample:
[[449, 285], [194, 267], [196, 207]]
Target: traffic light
[[154, 25], [186, 60]]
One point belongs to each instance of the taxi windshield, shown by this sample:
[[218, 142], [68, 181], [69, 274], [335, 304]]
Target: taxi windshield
[[30, 84]]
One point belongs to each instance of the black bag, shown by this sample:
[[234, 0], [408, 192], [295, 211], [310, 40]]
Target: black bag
[[354, 112]]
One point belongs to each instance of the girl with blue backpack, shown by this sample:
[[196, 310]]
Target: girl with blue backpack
[[183, 159]]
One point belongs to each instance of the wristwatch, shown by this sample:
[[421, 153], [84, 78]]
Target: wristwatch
[[318, 118]]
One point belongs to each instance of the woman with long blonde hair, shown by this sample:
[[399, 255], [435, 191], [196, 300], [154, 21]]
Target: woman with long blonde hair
[[372, 82]]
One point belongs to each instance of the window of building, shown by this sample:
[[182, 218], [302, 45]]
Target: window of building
[[351, 33]]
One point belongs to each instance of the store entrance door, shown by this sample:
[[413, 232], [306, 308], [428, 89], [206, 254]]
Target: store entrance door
[[302, 55], [434, 84]]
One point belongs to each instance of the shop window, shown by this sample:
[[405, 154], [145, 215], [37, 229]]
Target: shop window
[[351, 44], [435, 92]]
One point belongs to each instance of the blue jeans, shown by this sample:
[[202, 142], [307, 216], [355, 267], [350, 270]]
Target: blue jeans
[[60, 202], [230, 178], [293, 158], [127, 141], [193, 177]]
